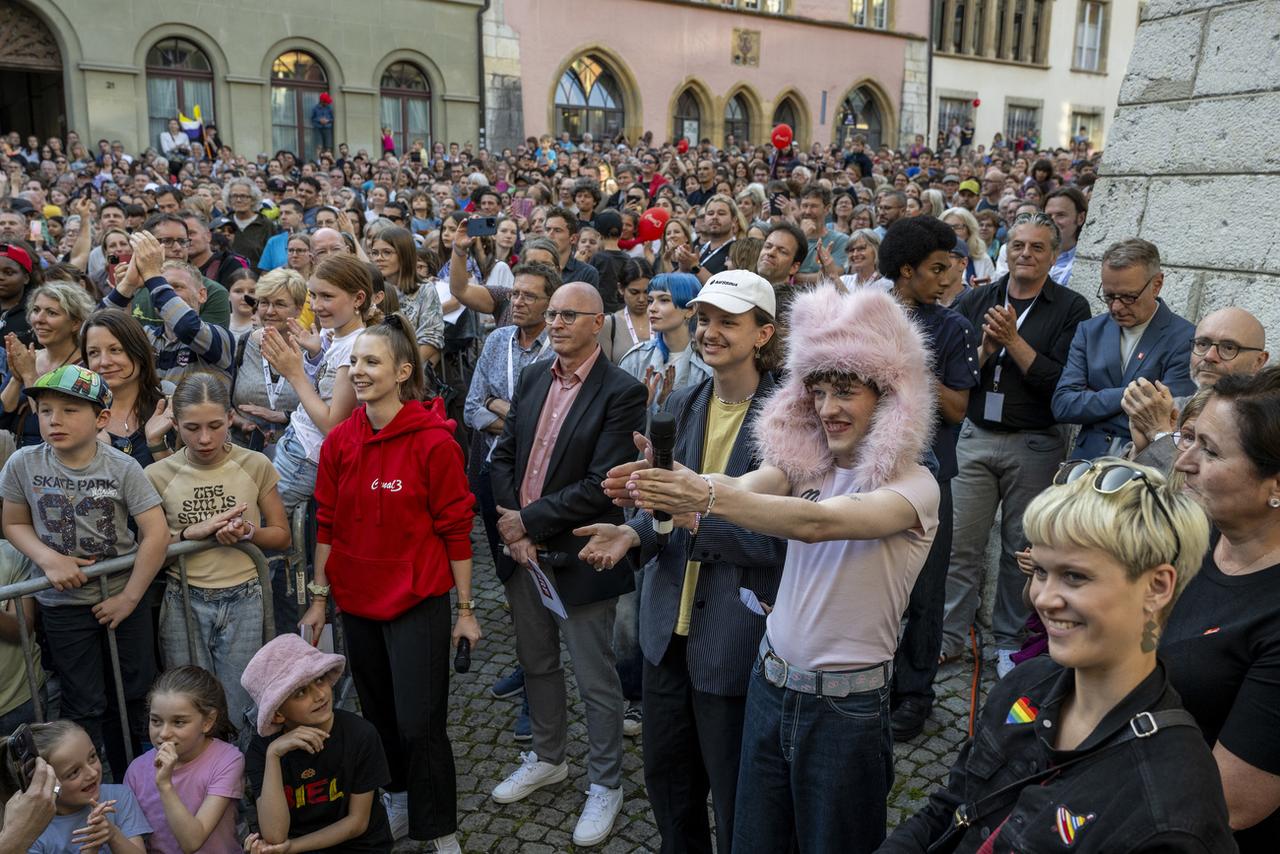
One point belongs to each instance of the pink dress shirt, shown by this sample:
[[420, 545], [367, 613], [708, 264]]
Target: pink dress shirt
[[560, 397]]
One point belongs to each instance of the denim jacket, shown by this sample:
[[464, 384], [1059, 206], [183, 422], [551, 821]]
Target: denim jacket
[[1160, 793]]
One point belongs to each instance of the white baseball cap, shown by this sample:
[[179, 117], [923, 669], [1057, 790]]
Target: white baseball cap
[[738, 291]]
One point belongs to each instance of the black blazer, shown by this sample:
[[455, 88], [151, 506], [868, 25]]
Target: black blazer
[[595, 437], [724, 634]]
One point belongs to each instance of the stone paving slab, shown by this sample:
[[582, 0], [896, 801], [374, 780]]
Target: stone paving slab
[[480, 729]]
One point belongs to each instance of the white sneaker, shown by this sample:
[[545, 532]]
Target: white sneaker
[[596, 822], [446, 845], [532, 775], [397, 806], [1004, 662]]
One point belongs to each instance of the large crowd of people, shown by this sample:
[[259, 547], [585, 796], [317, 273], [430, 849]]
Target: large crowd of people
[[737, 423]]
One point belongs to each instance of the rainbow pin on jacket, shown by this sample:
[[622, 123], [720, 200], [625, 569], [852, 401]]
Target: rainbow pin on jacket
[[1069, 824], [1021, 712]]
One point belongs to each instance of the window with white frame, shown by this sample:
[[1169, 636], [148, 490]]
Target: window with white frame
[[1021, 121], [1090, 30]]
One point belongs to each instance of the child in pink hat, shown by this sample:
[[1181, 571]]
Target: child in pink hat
[[315, 769]]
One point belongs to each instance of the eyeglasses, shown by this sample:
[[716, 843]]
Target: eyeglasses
[[1227, 350], [240, 197], [1184, 439], [525, 296], [297, 250], [173, 241], [382, 253], [1125, 299], [1112, 478], [568, 315]]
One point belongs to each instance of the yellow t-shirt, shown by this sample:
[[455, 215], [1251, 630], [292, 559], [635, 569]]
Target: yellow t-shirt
[[724, 420], [192, 493]]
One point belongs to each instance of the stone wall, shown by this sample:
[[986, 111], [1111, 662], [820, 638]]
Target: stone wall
[[1192, 162], [503, 94], [915, 92]]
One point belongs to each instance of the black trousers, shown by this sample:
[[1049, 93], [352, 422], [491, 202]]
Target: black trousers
[[80, 653], [401, 672], [915, 664], [692, 742]]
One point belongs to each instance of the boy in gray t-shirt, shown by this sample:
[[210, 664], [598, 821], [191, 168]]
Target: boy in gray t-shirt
[[67, 504]]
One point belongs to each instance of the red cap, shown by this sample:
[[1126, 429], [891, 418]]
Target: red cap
[[326, 98], [17, 253]]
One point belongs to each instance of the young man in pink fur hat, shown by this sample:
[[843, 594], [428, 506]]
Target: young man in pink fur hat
[[841, 442]]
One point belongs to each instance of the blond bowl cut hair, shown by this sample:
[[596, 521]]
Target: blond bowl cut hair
[[1126, 525], [282, 279]]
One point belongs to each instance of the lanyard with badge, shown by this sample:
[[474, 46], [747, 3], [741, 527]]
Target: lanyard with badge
[[273, 388], [511, 375], [993, 402]]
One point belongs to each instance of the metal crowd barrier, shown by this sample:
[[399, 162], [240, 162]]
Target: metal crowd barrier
[[111, 566]]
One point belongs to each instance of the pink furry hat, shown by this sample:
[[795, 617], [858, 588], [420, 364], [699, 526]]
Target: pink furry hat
[[867, 334], [282, 666]]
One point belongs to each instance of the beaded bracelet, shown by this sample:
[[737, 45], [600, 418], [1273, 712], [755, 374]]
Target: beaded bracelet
[[711, 494]]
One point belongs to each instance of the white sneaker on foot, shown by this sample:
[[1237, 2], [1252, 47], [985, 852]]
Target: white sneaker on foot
[[397, 806], [532, 775], [1004, 662], [596, 822], [446, 845]]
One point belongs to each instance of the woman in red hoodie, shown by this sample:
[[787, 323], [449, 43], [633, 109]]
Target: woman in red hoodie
[[395, 514]]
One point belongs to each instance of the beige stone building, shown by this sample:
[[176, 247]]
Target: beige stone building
[[1046, 66], [118, 69]]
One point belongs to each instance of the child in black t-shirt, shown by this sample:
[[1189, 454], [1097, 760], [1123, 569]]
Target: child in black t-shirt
[[315, 769]]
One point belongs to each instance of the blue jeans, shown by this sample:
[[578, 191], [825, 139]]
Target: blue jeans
[[626, 643], [228, 625], [814, 769], [297, 471]]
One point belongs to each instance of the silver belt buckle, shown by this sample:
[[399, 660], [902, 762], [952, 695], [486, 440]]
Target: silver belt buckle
[[786, 669]]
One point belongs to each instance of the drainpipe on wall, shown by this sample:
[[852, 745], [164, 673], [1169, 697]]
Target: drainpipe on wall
[[928, 111], [484, 141]]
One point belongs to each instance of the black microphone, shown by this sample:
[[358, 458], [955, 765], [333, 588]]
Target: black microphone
[[462, 661], [662, 436]]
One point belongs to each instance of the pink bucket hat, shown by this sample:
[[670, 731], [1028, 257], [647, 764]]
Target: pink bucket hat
[[281, 667]]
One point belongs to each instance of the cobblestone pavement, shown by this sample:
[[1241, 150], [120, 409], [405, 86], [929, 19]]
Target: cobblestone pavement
[[480, 728]]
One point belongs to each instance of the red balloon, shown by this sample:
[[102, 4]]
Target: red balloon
[[977, 102], [653, 222], [782, 136], [683, 145]]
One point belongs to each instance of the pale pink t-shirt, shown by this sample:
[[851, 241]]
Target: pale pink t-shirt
[[840, 603], [218, 771]]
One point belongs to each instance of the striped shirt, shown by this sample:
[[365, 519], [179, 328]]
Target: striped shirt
[[182, 341]]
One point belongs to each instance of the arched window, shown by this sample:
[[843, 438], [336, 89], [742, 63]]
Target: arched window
[[179, 77], [786, 113], [859, 114], [737, 121], [297, 79], [688, 118], [589, 100], [406, 105]]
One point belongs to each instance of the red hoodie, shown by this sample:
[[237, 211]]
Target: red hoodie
[[395, 508]]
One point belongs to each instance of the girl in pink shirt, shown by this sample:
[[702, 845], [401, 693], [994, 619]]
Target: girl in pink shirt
[[189, 784]]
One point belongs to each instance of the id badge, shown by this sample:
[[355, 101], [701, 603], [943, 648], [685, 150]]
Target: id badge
[[993, 406]]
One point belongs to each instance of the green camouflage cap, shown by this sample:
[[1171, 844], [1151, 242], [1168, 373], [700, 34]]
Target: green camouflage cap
[[74, 381]]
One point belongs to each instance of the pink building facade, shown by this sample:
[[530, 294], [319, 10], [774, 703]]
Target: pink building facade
[[682, 68]]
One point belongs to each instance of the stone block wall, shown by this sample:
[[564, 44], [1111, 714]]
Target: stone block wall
[[1192, 161]]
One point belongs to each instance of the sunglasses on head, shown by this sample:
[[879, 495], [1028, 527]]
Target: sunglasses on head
[[1113, 477]]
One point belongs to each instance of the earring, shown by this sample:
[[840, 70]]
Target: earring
[[1274, 502], [1149, 636]]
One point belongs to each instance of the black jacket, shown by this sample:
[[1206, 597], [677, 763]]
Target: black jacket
[[595, 437], [724, 635], [1156, 794]]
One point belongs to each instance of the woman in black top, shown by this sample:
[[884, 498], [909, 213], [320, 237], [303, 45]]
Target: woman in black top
[[1089, 745], [116, 347], [1222, 645]]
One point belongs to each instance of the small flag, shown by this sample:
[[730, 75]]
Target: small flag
[[1069, 824], [1021, 712], [192, 126]]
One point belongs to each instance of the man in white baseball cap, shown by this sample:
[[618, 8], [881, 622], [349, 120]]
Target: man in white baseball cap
[[702, 600]]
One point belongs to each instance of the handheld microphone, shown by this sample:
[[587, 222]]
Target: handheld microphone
[[462, 661], [662, 436]]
